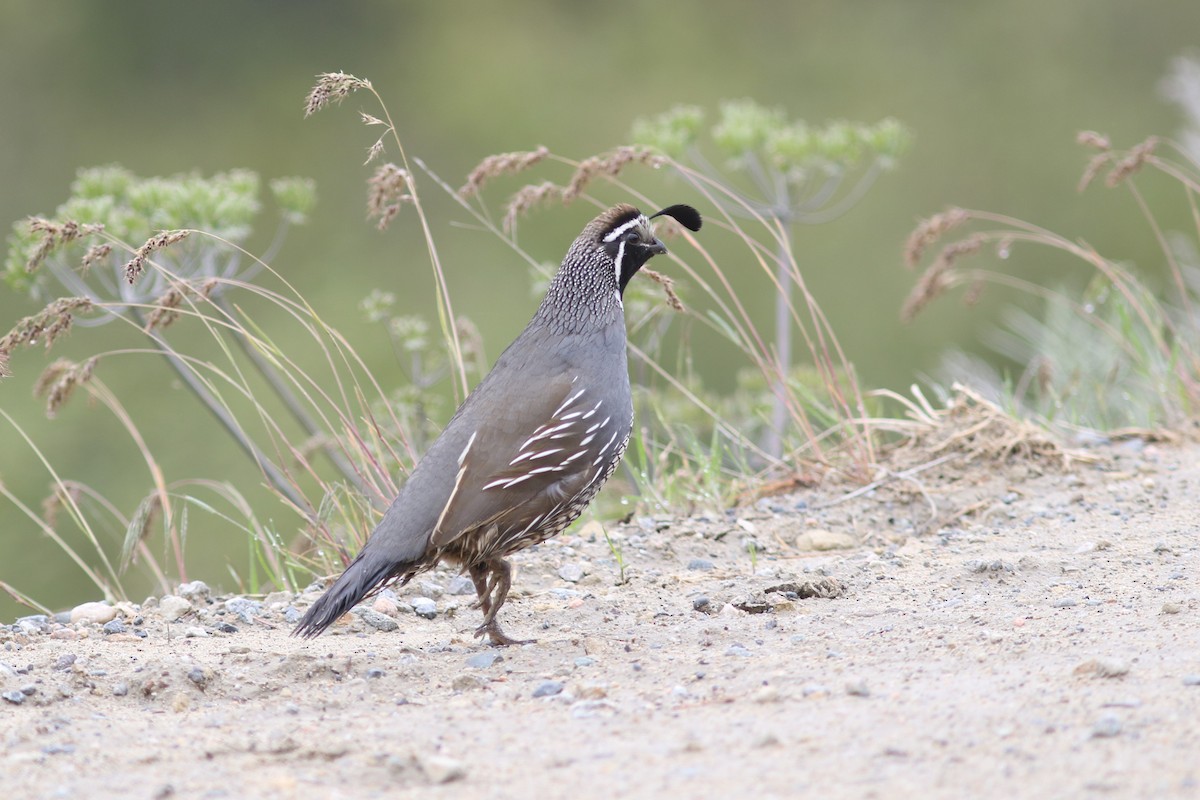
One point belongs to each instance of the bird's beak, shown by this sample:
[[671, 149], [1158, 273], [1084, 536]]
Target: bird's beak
[[656, 248]]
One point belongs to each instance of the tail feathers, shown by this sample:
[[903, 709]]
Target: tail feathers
[[363, 576]]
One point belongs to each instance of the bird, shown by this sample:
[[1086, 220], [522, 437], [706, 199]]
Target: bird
[[530, 446]]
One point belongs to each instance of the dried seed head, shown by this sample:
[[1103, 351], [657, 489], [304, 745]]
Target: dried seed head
[[610, 165], [500, 164], [5, 372], [51, 323], [136, 265], [1095, 164], [55, 235], [929, 231], [94, 253], [668, 285], [332, 87], [1093, 139], [60, 380], [939, 276], [165, 306], [1132, 162], [529, 197], [386, 190]]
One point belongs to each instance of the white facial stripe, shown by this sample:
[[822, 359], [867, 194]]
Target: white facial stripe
[[617, 263], [616, 233]]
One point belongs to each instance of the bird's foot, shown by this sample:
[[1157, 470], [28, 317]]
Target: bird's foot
[[499, 638]]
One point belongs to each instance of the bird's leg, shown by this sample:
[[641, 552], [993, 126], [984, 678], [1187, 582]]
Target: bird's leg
[[479, 576], [499, 572]]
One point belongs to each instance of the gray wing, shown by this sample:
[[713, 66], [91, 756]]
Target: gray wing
[[526, 464]]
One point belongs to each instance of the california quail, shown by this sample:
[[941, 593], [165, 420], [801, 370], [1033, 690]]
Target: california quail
[[532, 444]]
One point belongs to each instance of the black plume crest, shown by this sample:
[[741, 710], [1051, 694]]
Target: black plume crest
[[685, 215]]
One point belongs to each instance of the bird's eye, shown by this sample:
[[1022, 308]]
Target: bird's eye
[[633, 237]]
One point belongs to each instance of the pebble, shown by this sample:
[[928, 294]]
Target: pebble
[[64, 662], [120, 689], [196, 592], [737, 650], [245, 609], [195, 632], [441, 769], [701, 603], [172, 607], [381, 622], [730, 610], [548, 689], [1107, 726], [1171, 608], [14, 697], [700, 565], [1066, 602], [431, 589], [292, 615], [584, 661], [198, 676], [858, 688], [460, 584], [484, 660], [225, 627], [94, 613], [423, 607], [375, 672], [114, 626], [571, 573], [1191, 680], [386, 605], [818, 539]]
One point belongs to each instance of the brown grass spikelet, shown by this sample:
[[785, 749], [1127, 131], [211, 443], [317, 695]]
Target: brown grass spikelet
[[501, 164], [529, 197], [939, 276], [929, 231], [610, 165], [165, 308], [5, 372], [94, 253], [137, 265], [668, 285], [60, 380], [50, 324], [55, 235], [332, 87], [1092, 139], [387, 189], [1132, 162]]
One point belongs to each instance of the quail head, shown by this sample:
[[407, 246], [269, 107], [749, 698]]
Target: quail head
[[532, 444]]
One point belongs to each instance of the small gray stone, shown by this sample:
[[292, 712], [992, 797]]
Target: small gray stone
[[114, 626], [225, 627], [440, 769], [245, 609], [700, 564], [196, 592], [571, 573], [1107, 726], [424, 607], [378, 621], [737, 650], [858, 688], [29, 689], [562, 593], [14, 697], [460, 584], [375, 672], [431, 589], [120, 689], [195, 632], [292, 615], [548, 689], [1191, 680], [198, 676], [65, 662], [172, 607], [584, 661], [484, 660], [1066, 602], [701, 603]]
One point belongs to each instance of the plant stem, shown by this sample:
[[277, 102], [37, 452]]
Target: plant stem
[[270, 471]]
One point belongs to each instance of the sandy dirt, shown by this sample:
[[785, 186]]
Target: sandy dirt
[[1045, 644]]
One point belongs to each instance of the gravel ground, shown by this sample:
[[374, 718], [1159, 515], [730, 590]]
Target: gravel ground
[[994, 631]]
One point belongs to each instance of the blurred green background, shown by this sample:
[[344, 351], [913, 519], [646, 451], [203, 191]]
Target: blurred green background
[[994, 92]]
